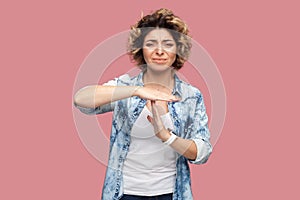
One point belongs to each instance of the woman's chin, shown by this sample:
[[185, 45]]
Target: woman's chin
[[158, 67]]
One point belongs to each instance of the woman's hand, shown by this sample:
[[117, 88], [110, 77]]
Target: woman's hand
[[155, 92], [155, 120], [185, 147]]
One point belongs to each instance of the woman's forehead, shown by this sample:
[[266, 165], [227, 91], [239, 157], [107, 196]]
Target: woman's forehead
[[159, 34]]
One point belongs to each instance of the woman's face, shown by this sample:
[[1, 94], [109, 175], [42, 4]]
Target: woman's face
[[159, 49]]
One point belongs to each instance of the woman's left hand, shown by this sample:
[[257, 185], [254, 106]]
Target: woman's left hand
[[185, 147], [156, 121]]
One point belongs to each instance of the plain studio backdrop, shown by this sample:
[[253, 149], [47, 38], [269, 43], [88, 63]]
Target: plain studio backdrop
[[255, 45]]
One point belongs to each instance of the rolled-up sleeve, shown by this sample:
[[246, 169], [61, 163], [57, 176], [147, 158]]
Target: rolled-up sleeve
[[107, 107], [98, 110], [204, 150], [200, 133]]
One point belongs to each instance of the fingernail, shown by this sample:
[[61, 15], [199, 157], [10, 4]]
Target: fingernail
[[149, 119]]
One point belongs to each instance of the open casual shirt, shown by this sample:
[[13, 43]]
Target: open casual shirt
[[190, 122]]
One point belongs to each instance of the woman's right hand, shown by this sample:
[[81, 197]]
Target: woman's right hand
[[154, 92]]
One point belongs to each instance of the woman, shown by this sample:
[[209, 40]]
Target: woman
[[159, 121]]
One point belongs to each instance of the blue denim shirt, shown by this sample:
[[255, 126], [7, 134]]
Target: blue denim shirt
[[190, 122]]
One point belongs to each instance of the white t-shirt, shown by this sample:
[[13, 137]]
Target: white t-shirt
[[150, 165]]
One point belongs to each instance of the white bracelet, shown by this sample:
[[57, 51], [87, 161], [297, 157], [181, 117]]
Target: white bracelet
[[171, 139]]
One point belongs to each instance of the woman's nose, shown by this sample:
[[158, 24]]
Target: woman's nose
[[159, 50]]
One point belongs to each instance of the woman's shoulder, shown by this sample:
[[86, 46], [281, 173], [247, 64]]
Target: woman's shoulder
[[124, 79], [187, 90]]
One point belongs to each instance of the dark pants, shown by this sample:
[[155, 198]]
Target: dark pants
[[159, 197]]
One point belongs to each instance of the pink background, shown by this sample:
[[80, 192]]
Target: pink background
[[255, 44]]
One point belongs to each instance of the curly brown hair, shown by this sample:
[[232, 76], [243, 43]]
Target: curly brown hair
[[162, 18]]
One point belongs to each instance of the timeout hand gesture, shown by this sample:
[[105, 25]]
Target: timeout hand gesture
[[154, 92], [159, 128]]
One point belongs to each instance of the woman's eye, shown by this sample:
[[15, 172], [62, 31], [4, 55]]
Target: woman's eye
[[149, 45], [169, 45]]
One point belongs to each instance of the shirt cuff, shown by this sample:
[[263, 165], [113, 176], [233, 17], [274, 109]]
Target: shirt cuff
[[204, 150]]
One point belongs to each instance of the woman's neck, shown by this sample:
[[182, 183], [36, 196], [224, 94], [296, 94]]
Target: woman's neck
[[165, 78]]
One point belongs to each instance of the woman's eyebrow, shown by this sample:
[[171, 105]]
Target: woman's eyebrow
[[166, 40], [151, 40]]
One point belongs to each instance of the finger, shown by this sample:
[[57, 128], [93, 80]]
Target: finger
[[154, 110], [168, 98], [160, 108], [152, 103], [152, 121], [156, 120], [175, 98]]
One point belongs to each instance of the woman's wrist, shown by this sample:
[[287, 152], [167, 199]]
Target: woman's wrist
[[164, 135], [135, 90], [171, 139]]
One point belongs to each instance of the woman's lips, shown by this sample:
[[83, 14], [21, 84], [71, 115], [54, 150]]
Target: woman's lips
[[159, 60]]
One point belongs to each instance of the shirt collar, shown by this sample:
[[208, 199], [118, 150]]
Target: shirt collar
[[177, 87]]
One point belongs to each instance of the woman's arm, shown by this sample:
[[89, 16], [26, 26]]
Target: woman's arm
[[185, 147], [196, 153], [98, 95]]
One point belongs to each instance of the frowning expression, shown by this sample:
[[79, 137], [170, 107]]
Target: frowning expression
[[159, 49]]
